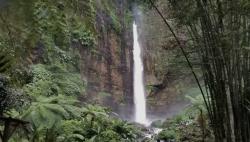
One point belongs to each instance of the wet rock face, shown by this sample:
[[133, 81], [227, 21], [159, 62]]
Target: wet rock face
[[164, 76], [108, 67]]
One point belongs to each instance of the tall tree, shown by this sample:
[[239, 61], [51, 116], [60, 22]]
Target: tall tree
[[220, 30]]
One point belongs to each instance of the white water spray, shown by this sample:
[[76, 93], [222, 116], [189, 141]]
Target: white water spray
[[139, 90]]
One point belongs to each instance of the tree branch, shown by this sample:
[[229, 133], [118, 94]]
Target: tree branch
[[180, 45]]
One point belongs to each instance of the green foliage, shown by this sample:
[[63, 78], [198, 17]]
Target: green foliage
[[197, 102], [188, 11], [96, 126], [47, 22], [69, 129], [180, 118], [10, 98], [46, 36], [86, 11], [102, 96], [110, 136], [58, 30], [167, 135], [83, 36], [5, 62], [50, 20], [128, 17], [115, 22], [54, 80], [57, 119], [157, 124], [187, 124], [44, 112]]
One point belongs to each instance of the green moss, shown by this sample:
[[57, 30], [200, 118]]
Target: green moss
[[128, 17], [83, 36], [47, 22], [110, 8]]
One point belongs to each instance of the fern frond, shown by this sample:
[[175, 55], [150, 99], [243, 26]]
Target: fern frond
[[57, 110], [5, 63]]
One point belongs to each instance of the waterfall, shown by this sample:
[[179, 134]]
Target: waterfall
[[138, 84]]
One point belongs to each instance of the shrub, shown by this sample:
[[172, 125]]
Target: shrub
[[167, 135]]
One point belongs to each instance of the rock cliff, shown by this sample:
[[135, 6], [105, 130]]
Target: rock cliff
[[109, 68]]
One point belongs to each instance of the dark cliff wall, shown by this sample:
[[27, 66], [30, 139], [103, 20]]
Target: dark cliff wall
[[166, 72], [108, 69]]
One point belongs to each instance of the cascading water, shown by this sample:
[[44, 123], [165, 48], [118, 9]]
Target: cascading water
[[138, 84]]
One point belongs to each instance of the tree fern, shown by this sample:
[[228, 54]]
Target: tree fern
[[45, 111]]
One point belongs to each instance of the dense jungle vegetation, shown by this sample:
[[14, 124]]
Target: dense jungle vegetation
[[40, 74], [45, 47], [220, 32]]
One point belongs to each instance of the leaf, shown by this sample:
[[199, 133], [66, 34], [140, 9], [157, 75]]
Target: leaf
[[58, 110], [73, 110], [5, 62], [93, 139], [77, 136]]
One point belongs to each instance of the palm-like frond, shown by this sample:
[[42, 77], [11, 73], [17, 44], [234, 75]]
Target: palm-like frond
[[91, 113], [5, 62], [46, 111]]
